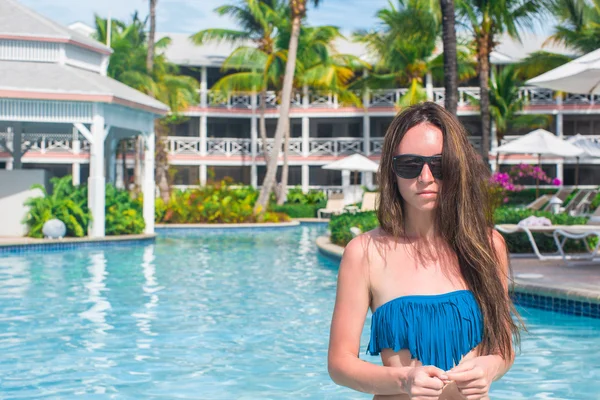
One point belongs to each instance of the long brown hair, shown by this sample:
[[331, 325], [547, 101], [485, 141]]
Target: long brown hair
[[464, 219]]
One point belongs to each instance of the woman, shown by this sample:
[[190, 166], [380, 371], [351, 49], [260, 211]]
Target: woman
[[434, 274]]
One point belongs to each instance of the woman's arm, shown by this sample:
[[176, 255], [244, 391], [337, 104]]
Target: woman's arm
[[351, 307]]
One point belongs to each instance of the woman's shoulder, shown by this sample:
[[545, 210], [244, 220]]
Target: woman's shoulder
[[366, 244]]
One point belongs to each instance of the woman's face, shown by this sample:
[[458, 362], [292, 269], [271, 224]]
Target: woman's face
[[421, 192]]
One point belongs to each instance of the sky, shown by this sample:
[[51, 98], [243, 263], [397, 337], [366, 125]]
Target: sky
[[188, 16]]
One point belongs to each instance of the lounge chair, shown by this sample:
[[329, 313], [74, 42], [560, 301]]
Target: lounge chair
[[369, 202], [538, 203], [562, 194], [580, 202], [561, 233], [334, 206]]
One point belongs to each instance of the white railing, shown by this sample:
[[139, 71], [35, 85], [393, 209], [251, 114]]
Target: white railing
[[228, 146], [335, 146], [316, 146], [467, 97]]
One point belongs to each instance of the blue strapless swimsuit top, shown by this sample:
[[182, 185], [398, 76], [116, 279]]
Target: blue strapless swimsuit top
[[437, 329]]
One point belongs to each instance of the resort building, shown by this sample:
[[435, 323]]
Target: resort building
[[60, 112], [220, 136]]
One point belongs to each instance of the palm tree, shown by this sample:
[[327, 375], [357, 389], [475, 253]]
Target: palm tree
[[262, 63], [450, 60], [128, 65], [487, 19], [151, 34], [404, 43], [506, 105], [578, 24], [298, 12], [323, 69]]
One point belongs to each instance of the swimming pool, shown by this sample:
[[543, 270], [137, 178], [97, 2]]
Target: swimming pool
[[223, 314]]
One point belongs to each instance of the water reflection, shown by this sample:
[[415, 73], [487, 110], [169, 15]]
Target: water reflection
[[95, 287]]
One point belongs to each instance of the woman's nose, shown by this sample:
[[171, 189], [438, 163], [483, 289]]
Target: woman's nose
[[426, 176]]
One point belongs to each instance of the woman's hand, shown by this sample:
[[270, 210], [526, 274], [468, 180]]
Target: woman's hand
[[425, 383], [474, 377]]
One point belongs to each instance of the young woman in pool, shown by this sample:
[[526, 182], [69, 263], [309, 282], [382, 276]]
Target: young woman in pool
[[434, 274]]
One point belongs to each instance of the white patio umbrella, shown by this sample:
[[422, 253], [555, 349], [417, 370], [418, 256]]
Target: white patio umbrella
[[355, 163], [542, 143], [581, 75], [590, 147]]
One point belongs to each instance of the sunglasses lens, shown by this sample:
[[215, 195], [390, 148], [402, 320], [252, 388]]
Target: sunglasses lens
[[408, 167], [436, 167]]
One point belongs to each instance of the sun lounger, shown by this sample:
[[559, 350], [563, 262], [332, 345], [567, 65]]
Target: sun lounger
[[369, 203], [562, 194], [538, 203], [560, 233], [334, 206]]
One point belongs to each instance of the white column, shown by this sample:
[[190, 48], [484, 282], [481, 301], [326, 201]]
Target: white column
[[429, 86], [203, 174], [149, 186], [345, 178], [76, 166], [96, 181], [119, 174], [305, 177], [9, 165], [305, 97], [559, 132], [203, 134], [367, 134], [203, 88], [305, 136], [112, 160], [17, 143], [10, 144]]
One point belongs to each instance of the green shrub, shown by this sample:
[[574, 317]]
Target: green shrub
[[340, 225], [519, 242], [296, 210], [215, 203], [525, 196], [67, 203], [123, 215], [296, 196]]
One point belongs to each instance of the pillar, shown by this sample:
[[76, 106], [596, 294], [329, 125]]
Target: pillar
[[305, 136], [112, 160], [76, 166], [96, 181], [559, 133], [253, 143], [10, 144], [429, 86], [17, 143], [149, 186], [203, 88], [366, 134], [203, 174], [305, 177], [203, 134]]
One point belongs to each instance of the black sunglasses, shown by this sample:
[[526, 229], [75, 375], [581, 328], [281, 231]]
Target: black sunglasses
[[409, 166]]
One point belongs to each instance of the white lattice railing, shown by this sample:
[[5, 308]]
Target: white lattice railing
[[183, 145], [335, 146], [228, 146], [467, 96]]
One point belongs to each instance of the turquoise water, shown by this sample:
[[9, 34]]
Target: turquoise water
[[219, 315]]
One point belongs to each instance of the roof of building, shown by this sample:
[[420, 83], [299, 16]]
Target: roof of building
[[20, 79], [182, 51], [20, 22]]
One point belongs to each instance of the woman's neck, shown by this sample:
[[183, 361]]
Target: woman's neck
[[419, 224]]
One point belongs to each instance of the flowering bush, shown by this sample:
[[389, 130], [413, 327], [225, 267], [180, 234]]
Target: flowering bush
[[503, 182]]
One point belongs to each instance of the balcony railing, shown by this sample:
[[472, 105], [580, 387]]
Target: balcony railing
[[467, 97], [46, 143], [339, 146]]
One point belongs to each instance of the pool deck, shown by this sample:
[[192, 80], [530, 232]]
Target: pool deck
[[580, 281]]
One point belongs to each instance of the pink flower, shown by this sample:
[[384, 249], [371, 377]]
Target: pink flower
[[556, 182]]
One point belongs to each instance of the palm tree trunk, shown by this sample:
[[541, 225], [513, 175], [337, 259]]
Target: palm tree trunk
[[161, 162], [263, 125], [483, 50], [284, 115], [450, 58], [151, 34], [282, 194]]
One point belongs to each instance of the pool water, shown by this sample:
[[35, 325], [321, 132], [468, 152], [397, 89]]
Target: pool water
[[225, 314]]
